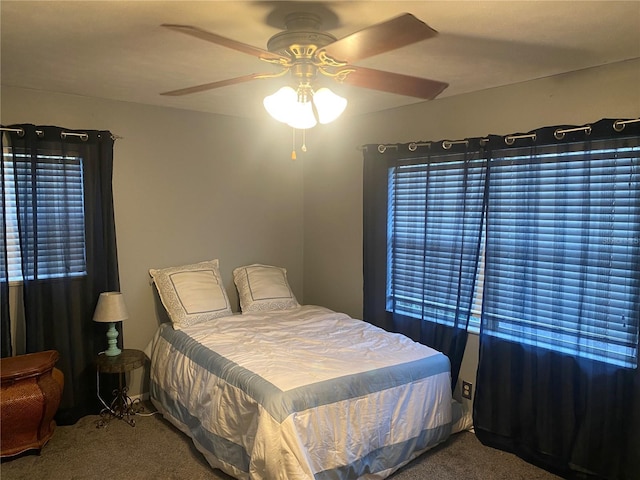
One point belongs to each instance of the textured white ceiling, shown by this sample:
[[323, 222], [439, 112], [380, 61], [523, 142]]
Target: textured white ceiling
[[117, 49]]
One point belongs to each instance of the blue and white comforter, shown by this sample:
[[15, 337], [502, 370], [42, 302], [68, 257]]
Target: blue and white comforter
[[301, 394]]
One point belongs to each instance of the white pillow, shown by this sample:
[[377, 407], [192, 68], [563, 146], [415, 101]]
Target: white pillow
[[192, 293], [263, 287]]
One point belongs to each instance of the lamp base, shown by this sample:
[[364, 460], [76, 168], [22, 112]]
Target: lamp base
[[112, 336]]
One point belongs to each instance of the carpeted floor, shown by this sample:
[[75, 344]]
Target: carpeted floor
[[154, 449]]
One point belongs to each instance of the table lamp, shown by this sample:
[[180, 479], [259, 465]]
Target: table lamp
[[111, 309]]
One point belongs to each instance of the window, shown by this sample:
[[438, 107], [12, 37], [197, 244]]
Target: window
[[435, 209], [563, 245], [55, 185], [559, 258]]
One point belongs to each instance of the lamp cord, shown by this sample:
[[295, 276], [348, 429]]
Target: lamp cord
[[98, 392], [107, 407]]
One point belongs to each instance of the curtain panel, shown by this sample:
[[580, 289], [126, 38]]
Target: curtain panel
[[5, 325], [423, 213], [558, 271], [557, 380], [66, 230]]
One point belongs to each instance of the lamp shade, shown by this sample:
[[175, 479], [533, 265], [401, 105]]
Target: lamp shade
[[110, 308], [287, 106], [295, 108], [280, 104], [329, 105], [301, 116]]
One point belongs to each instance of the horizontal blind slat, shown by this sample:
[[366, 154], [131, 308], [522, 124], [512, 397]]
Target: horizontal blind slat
[[561, 248], [433, 238], [55, 227]]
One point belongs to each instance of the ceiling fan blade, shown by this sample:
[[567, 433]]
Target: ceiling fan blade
[[226, 42], [212, 85], [395, 83], [379, 38]]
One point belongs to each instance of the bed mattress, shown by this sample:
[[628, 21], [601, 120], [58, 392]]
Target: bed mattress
[[305, 393]]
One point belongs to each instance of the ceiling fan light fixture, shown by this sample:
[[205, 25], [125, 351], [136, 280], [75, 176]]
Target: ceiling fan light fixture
[[295, 108], [291, 107], [329, 105]]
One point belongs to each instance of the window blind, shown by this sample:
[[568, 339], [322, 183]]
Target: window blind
[[434, 220], [53, 184], [563, 250]]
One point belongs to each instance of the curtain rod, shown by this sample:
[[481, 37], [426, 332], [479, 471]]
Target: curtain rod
[[82, 136], [618, 126]]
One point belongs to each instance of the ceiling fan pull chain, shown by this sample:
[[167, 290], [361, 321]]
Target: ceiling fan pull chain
[[304, 140], [293, 146]]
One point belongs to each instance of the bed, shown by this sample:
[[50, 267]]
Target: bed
[[300, 392]]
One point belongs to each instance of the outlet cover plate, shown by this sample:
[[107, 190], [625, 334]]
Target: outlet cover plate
[[466, 390]]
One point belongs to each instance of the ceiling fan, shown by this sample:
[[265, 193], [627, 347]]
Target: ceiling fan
[[310, 54]]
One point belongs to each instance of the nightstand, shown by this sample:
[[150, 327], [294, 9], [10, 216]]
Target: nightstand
[[122, 406]]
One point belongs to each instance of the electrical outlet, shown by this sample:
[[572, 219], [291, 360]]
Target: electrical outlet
[[466, 390]]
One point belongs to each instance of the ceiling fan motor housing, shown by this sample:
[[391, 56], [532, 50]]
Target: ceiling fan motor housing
[[302, 37]]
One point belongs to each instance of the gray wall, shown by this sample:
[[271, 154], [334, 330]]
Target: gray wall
[[190, 186], [187, 187], [333, 177]]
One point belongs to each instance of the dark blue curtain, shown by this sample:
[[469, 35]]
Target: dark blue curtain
[[63, 275], [423, 213], [5, 325], [558, 379]]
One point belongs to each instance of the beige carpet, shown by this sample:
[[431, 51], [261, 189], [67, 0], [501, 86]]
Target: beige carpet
[[154, 449]]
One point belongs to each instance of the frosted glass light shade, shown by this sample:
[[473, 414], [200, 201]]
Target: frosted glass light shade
[[280, 104], [301, 116], [294, 109], [329, 105]]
